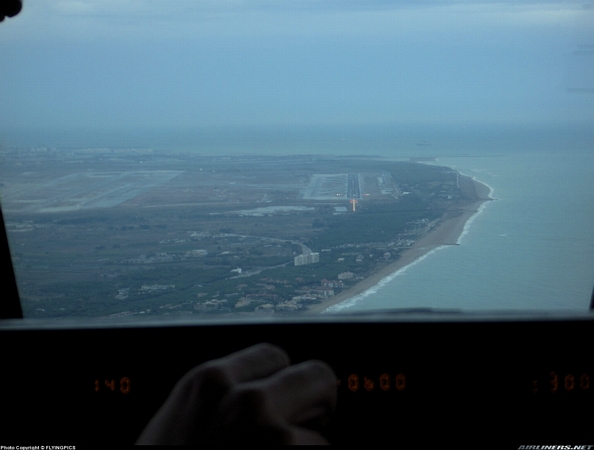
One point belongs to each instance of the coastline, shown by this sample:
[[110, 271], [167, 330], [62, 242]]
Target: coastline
[[447, 231]]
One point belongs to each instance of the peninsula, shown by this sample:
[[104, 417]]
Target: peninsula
[[101, 232]]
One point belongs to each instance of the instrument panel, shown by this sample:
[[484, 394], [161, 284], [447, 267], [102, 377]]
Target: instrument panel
[[512, 381]]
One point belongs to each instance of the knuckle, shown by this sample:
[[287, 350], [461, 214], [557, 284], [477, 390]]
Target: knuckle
[[321, 366], [268, 347], [272, 352], [209, 376], [320, 372]]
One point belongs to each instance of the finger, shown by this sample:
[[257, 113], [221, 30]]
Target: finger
[[215, 378], [306, 393], [302, 394], [197, 395], [253, 363]]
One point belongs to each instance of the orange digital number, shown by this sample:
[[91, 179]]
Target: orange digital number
[[97, 386], [125, 385], [535, 386], [400, 382], [585, 381], [384, 382], [110, 384], [569, 382], [368, 384], [353, 381]]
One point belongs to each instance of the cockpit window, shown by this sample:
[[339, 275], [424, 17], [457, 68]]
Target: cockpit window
[[295, 158]]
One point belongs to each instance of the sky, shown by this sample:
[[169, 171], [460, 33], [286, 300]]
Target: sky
[[125, 64]]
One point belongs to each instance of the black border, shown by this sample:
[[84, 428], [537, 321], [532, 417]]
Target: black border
[[10, 304]]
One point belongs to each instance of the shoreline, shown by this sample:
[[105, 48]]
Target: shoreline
[[448, 231]]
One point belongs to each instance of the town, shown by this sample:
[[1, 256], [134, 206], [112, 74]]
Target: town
[[125, 232]]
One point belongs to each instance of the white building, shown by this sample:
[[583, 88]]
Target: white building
[[309, 258]]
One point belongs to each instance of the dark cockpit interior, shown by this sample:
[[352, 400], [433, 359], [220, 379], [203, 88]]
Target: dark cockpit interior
[[414, 377]]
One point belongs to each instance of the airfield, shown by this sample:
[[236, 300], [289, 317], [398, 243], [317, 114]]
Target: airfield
[[100, 233], [60, 186], [84, 190]]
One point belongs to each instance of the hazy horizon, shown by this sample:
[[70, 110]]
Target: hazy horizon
[[100, 65]]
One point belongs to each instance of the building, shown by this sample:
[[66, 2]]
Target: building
[[309, 258], [331, 284]]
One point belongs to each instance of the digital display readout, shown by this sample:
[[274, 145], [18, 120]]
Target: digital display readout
[[121, 385], [559, 382], [384, 382], [549, 383]]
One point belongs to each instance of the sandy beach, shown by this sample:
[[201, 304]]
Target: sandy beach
[[446, 232]]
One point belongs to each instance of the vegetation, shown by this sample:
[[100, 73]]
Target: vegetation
[[176, 248]]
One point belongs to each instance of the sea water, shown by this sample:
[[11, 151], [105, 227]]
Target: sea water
[[532, 247]]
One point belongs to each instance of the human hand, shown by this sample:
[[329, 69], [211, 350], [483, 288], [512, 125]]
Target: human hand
[[250, 396]]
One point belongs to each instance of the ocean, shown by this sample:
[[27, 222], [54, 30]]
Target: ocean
[[531, 248]]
